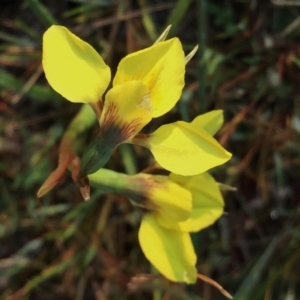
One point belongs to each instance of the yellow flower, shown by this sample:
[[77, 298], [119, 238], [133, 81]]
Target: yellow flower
[[176, 205], [148, 83], [166, 242]]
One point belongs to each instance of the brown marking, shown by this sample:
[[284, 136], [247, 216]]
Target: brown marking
[[113, 128]]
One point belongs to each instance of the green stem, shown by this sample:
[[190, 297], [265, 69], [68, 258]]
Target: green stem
[[109, 181], [157, 294], [135, 187]]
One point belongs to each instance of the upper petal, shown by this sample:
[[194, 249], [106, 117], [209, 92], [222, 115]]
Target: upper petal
[[211, 122], [171, 252], [182, 149], [125, 113], [161, 68], [127, 109], [72, 67], [208, 203]]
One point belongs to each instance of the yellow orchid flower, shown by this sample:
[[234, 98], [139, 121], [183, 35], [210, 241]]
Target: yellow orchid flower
[[176, 205], [166, 241], [147, 84]]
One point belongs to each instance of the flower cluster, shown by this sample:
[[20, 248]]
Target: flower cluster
[[147, 84]]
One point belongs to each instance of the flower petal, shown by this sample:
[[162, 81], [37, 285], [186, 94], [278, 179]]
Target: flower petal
[[169, 199], [127, 109], [161, 67], [170, 252], [182, 149], [72, 67], [211, 122], [208, 203]]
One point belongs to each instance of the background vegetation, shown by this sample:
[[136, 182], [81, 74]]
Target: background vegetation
[[59, 247]]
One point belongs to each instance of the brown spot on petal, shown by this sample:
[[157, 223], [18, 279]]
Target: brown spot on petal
[[114, 129], [139, 191], [110, 115], [130, 129]]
